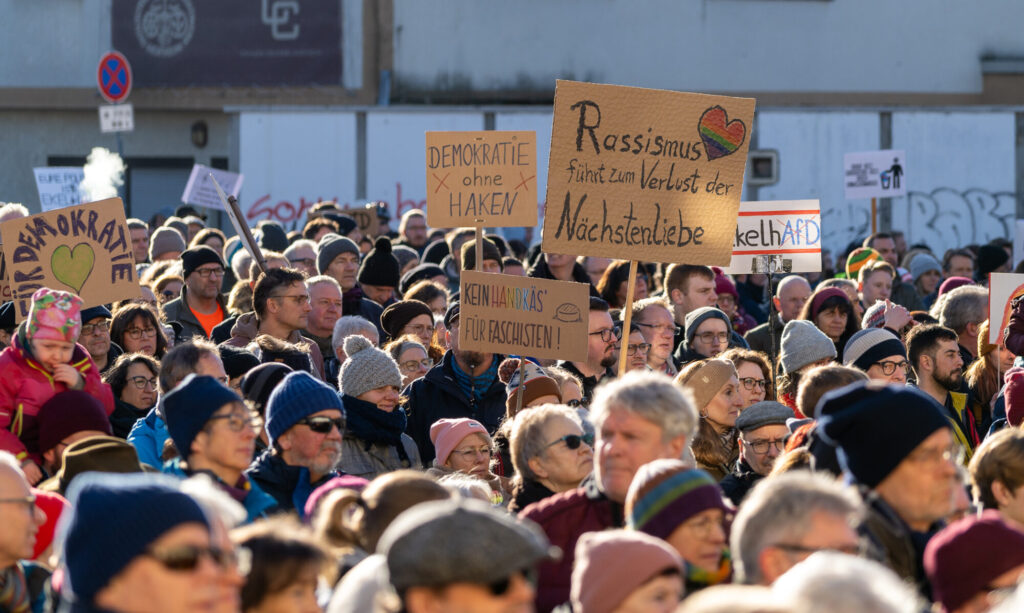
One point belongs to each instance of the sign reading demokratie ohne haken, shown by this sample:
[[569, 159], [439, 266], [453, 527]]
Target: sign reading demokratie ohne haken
[[489, 176], [645, 174], [519, 315], [85, 249]]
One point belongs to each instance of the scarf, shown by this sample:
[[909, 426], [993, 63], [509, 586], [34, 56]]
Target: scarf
[[350, 300], [14, 590], [474, 387], [697, 578], [373, 426]]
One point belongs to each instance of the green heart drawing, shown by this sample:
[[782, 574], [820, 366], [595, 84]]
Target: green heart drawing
[[72, 268]]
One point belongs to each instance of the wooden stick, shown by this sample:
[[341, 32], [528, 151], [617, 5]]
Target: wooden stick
[[479, 245], [627, 317], [874, 215], [522, 385], [241, 227]]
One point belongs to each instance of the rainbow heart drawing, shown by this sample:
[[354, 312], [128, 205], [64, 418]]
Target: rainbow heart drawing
[[721, 137]]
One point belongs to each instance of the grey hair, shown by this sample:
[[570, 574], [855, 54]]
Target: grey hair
[[967, 304], [181, 361], [349, 325], [652, 396], [137, 224], [841, 583], [734, 599], [12, 210], [655, 301], [526, 440], [7, 458], [320, 280], [466, 486], [299, 244], [214, 501], [779, 510], [240, 263]]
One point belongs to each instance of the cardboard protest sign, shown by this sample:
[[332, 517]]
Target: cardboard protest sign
[[369, 223], [489, 175], [58, 186], [5, 283], [199, 190], [520, 315], [645, 174], [787, 229], [875, 174], [85, 249], [1003, 287]]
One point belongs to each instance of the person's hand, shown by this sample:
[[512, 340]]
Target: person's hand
[[33, 474], [69, 376], [896, 316]]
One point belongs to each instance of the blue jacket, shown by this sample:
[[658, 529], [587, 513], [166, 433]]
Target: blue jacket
[[148, 436], [257, 503], [288, 485]]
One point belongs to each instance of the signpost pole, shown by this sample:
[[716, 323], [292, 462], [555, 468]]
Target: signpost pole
[[874, 215], [627, 316]]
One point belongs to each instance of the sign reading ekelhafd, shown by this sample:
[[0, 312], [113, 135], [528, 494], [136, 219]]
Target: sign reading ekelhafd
[[489, 175], [85, 249], [787, 230], [645, 174], [537, 318]]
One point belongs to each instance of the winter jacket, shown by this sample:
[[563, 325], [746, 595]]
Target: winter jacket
[[526, 492], [26, 385], [222, 331], [1013, 334], [684, 354], [288, 485], [760, 338], [369, 458], [179, 311], [437, 395], [565, 517], [256, 502], [354, 303], [113, 353], [123, 419], [736, 484], [148, 436], [540, 270], [905, 295], [246, 329], [589, 383], [891, 541]]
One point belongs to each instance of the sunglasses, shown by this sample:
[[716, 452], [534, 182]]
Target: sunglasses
[[185, 558], [501, 586], [574, 403], [573, 441], [323, 425]]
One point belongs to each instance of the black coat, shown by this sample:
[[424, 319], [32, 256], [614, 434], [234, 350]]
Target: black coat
[[124, 417], [737, 483], [437, 395], [527, 492], [540, 270], [281, 480]]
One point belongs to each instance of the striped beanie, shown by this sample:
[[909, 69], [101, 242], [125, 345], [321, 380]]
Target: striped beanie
[[859, 258], [871, 345], [665, 493]]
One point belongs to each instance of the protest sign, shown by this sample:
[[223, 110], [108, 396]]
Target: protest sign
[[875, 174], [369, 223], [85, 249], [1002, 288], [1018, 242], [200, 191], [489, 175], [788, 230], [5, 284], [58, 186], [509, 314], [645, 174]]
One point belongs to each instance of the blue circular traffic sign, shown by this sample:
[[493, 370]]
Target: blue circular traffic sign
[[114, 77]]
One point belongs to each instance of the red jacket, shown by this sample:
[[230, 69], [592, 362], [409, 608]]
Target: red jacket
[[25, 385], [564, 518]]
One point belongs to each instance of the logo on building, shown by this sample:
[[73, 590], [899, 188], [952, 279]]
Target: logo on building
[[277, 14], [164, 27]]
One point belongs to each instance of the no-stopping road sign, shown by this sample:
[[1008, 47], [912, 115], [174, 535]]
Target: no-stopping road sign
[[114, 77]]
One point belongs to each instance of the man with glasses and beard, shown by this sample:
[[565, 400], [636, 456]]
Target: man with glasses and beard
[[201, 306], [935, 356], [305, 425], [464, 384], [602, 336]]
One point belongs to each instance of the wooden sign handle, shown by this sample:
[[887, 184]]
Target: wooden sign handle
[[479, 245], [874, 215], [627, 318]]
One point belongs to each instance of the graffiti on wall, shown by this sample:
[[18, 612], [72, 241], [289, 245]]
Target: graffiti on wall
[[946, 217]]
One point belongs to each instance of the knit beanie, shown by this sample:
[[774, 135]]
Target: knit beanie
[[802, 344], [761, 414], [115, 519], [398, 314], [69, 412], [419, 273], [705, 382], [468, 258], [299, 395], [330, 247], [871, 345], [1013, 396], [189, 406], [818, 301], [696, 317], [259, 382], [436, 252], [990, 257], [667, 492], [879, 427], [53, 506], [272, 236], [922, 263], [966, 556], [537, 384], [195, 257], [379, 266], [163, 240], [874, 316], [189, 220], [724, 285], [859, 258], [446, 434], [404, 255], [54, 316], [612, 564], [952, 283], [92, 313], [237, 361], [178, 224], [366, 368], [341, 482], [984, 347]]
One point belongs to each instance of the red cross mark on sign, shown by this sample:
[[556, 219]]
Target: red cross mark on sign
[[525, 180], [440, 181], [114, 77]]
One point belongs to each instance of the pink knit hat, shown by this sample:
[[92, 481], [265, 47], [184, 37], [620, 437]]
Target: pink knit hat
[[446, 434], [54, 316], [1014, 396], [612, 564]]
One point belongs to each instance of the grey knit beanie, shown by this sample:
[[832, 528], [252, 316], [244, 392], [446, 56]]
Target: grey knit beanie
[[802, 344], [922, 263], [165, 239], [366, 368], [330, 247], [695, 318]]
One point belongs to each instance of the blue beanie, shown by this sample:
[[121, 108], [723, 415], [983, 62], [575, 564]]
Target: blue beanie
[[298, 395], [115, 519], [189, 406]]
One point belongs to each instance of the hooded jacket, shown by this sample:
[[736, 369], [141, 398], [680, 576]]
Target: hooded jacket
[[246, 329], [179, 311], [288, 485]]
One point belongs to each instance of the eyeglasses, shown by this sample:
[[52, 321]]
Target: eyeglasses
[[708, 337], [472, 453], [418, 329], [137, 333], [413, 365], [762, 446], [303, 261], [847, 549], [89, 329], [674, 329], [323, 425], [574, 403], [238, 422], [206, 273], [141, 382], [643, 348], [573, 441], [890, 367], [954, 454], [703, 528], [29, 501], [752, 383], [185, 558], [299, 299], [609, 334], [501, 586], [167, 293]]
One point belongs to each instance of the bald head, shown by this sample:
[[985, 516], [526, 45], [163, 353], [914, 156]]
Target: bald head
[[790, 296]]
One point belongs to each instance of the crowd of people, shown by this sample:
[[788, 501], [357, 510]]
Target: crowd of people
[[301, 431]]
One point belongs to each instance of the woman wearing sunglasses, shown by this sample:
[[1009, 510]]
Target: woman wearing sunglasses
[[463, 445], [550, 453], [133, 379], [374, 440], [136, 328]]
